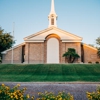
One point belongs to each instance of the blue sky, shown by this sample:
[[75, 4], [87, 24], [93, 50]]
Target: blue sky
[[80, 17]]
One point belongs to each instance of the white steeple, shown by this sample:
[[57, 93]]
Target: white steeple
[[52, 16]]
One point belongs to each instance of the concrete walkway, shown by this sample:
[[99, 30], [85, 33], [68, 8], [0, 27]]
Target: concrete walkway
[[77, 89]]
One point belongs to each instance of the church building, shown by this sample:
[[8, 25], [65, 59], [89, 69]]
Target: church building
[[49, 45]]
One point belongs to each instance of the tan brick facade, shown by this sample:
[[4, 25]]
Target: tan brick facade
[[37, 53], [90, 54], [34, 53], [17, 56]]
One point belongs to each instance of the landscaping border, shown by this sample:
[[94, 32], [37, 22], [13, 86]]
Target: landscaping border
[[77, 89]]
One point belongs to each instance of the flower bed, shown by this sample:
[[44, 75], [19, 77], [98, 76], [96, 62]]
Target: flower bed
[[52, 96], [7, 93], [94, 95]]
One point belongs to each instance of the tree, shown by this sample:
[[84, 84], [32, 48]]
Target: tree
[[71, 55], [98, 42], [91, 45], [6, 41], [98, 53]]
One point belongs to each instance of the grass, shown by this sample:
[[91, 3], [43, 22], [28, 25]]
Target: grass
[[49, 72]]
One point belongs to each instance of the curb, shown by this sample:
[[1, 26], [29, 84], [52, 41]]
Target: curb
[[52, 82]]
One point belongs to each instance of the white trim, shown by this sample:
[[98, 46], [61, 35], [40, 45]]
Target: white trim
[[52, 28], [71, 41], [34, 41], [68, 40], [5, 52], [38, 33]]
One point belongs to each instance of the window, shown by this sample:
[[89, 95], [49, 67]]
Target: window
[[52, 21]]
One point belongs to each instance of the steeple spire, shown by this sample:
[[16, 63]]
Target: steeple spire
[[52, 7], [52, 16]]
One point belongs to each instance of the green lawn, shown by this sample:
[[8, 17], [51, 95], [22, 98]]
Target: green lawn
[[49, 72]]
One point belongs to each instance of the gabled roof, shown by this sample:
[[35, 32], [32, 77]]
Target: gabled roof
[[90, 46], [64, 35], [4, 52]]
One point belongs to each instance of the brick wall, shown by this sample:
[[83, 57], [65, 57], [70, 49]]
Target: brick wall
[[90, 54], [17, 55], [34, 53], [37, 53]]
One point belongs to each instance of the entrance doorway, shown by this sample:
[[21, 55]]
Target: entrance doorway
[[52, 50]]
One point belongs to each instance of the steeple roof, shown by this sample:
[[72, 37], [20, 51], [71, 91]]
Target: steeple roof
[[52, 8]]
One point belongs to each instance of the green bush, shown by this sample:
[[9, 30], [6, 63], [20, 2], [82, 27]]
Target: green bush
[[94, 95], [90, 62], [97, 62]]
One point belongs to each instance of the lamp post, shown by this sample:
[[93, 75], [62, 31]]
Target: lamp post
[[12, 61]]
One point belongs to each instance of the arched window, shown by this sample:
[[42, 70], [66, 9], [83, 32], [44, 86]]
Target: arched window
[[52, 21]]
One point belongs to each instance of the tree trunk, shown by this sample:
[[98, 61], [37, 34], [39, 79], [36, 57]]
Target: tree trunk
[[73, 60]]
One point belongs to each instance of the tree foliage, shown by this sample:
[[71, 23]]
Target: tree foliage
[[98, 41], [98, 53], [6, 41], [91, 45], [71, 55]]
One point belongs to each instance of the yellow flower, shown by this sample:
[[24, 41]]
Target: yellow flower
[[18, 85], [32, 98], [60, 99], [3, 85], [11, 97], [16, 96], [28, 96], [24, 88], [7, 87]]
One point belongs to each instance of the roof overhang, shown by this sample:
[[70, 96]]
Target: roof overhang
[[90, 47], [64, 36], [5, 52]]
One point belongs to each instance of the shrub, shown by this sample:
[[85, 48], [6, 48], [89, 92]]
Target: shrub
[[52, 96], [13, 94], [94, 95], [71, 55], [97, 62], [90, 62], [6, 93]]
